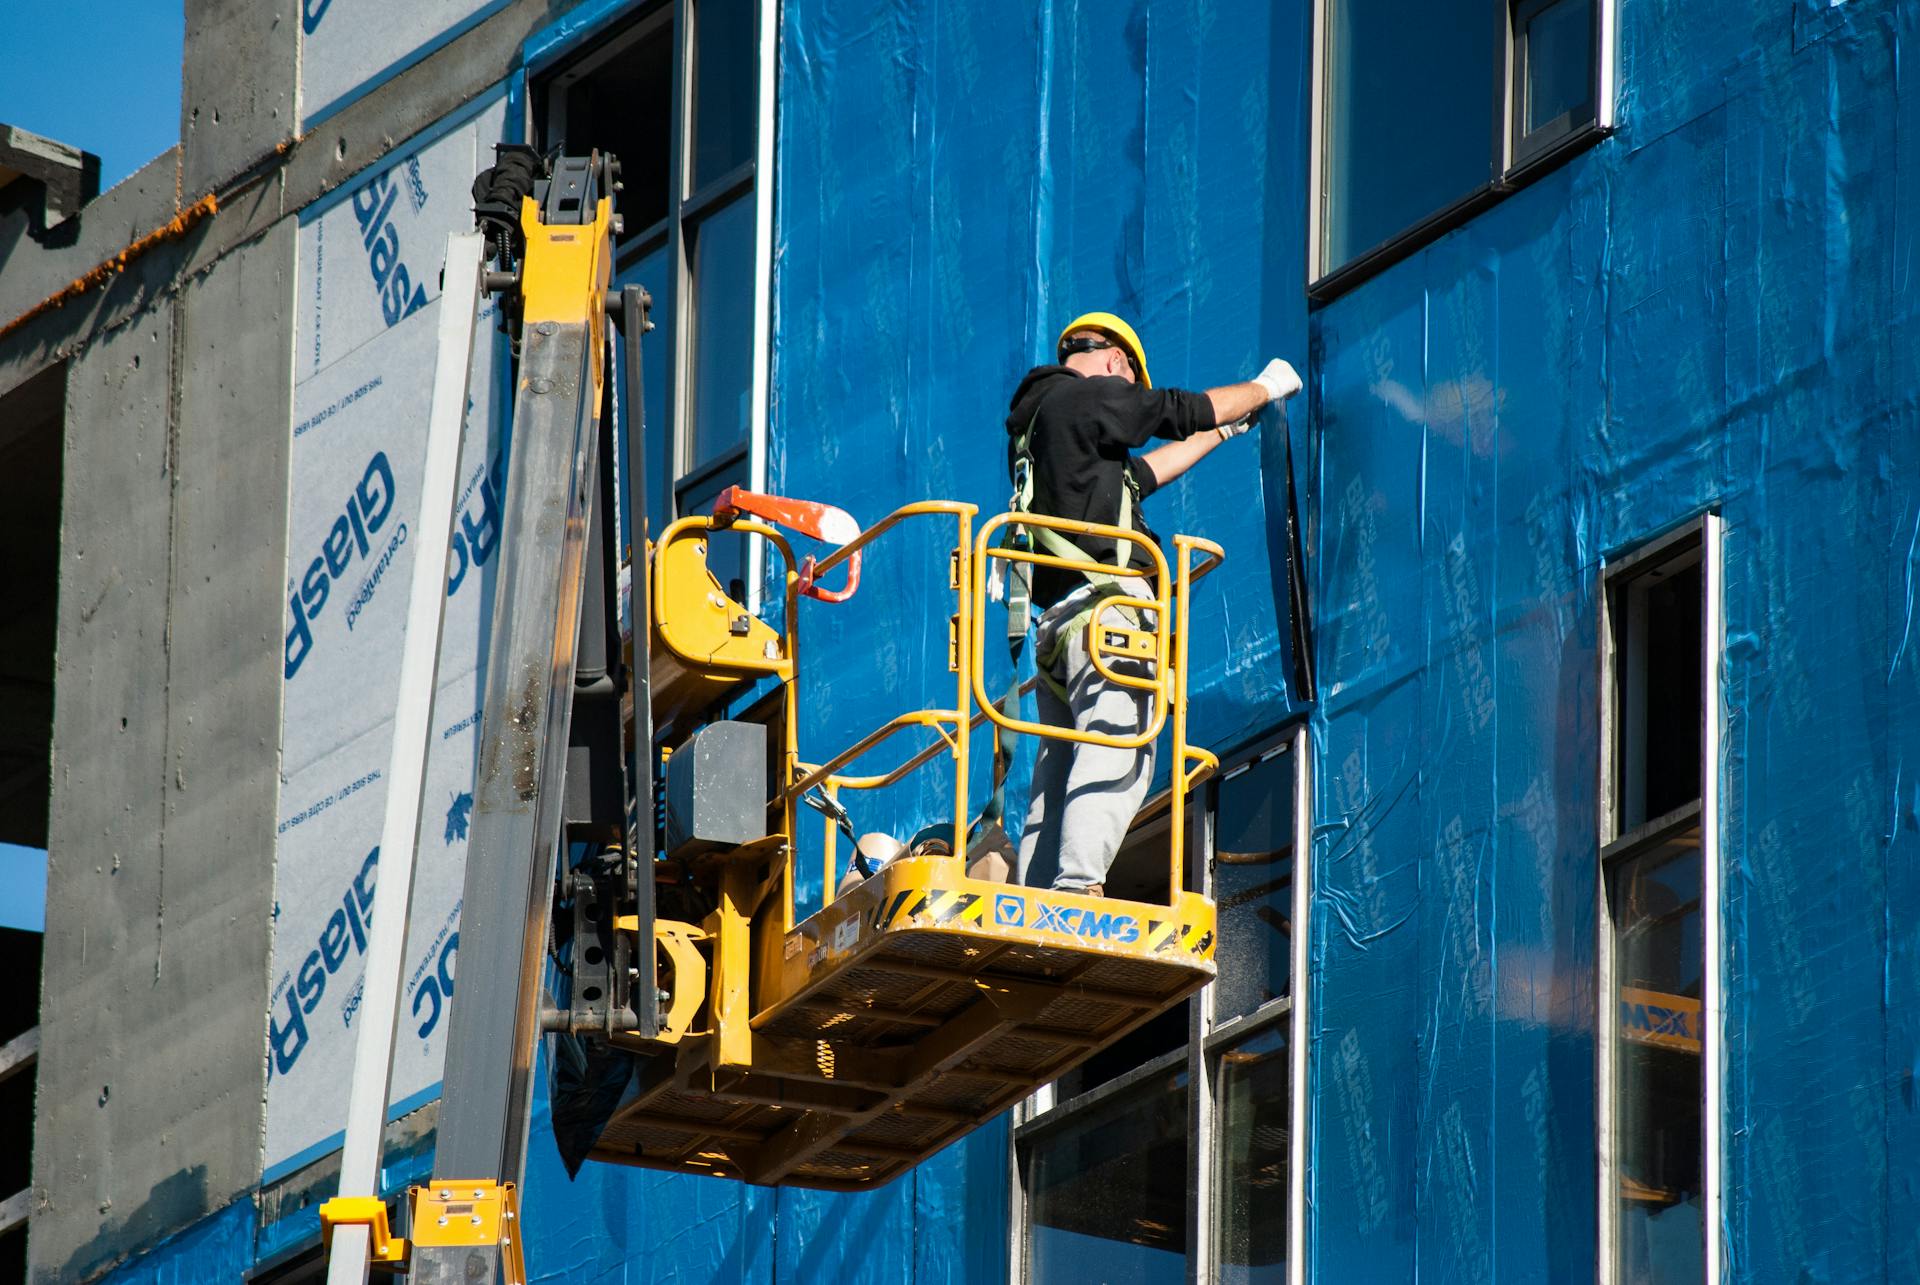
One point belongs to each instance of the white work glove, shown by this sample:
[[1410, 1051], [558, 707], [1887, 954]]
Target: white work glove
[[1234, 429], [1279, 380]]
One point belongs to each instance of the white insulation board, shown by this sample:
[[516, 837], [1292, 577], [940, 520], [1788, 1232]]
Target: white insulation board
[[349, 46], [368, 299]]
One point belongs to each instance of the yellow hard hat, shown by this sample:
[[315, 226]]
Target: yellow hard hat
[[1121, 333]]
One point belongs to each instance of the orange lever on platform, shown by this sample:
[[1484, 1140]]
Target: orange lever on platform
[[823, 522]]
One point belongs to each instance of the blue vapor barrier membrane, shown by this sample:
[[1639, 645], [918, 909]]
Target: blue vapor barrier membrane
[[1708, 312], [945, 1221], [567, 33], [217, 1248], [1026, 169]]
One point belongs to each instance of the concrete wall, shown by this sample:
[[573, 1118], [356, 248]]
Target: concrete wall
[[166, 716]]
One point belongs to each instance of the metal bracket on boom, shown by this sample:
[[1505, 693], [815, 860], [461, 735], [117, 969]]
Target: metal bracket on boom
[[387, 1252]]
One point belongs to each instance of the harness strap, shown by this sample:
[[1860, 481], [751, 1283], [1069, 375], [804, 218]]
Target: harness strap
[[1020, 601]]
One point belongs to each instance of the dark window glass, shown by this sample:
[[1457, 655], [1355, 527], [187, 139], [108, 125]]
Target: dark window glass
[[1409, 112], [721, 260], [1253, 886], [727, 554], [1155, 1037], [724, 82], [20, 955], [1658, 948], [651, 272], [1658, 650], [1250, 1185], [1107, 1190], [625, 106], [1559, 63]]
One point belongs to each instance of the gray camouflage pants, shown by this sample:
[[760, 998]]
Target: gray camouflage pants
[[1083, 797]]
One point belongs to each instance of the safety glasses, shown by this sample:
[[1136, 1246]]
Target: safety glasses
[[1088, 343]]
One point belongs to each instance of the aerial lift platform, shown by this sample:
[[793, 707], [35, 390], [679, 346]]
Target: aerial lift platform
[[834, 1050]]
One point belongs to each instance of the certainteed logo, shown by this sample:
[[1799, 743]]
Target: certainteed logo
[[366, 512]]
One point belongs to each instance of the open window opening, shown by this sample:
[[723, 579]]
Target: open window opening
[[32, 430], [1661, 734]]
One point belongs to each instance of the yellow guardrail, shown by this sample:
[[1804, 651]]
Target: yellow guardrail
[[952, 726], [785, 665], [1166, 641], [1160, 639]]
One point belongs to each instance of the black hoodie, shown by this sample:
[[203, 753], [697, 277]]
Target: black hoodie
[[1083, 431]]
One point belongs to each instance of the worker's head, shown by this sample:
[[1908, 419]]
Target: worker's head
[[1099, 343]]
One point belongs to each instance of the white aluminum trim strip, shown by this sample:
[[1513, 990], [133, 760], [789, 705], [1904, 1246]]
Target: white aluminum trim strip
[[406, 770], [1299, 988], [1606, 1180], [1712, 1018], [763, 189], [1203, 1086], [1316, 152], [1604, 90], [1039, 1102]]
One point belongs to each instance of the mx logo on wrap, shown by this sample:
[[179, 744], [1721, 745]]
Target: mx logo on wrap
[[459, 816], [1008, 911]]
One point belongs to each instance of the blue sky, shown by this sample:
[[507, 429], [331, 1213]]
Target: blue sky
[[23, 888], [102, 75]]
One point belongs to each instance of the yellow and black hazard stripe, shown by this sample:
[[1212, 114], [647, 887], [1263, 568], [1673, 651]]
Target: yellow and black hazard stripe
[[938, 906], [945, 907], [885, 912], [1164, 935]]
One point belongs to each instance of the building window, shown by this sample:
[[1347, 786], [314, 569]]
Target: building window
[[1106, 1184], [1661, 731], [1426, 112], [676, 96], [20, 956], [1554, 74], [32, 430], [1253, 883], [1171, 1155], [1140, 873], [1252, 1159]]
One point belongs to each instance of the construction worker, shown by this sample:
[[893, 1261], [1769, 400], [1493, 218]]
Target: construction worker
[[1072, 431]]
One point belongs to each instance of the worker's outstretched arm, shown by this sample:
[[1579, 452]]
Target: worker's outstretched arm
[[1233, 402], [1234, 405]]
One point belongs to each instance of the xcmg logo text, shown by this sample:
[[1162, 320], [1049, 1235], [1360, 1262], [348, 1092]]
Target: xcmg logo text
[[1095, 925]]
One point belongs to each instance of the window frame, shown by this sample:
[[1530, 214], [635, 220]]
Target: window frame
[[1699, 538], [1041, 1114], [687, 209], [1513, 161]]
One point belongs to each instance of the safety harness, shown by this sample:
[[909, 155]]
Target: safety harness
[[1019, 599]]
